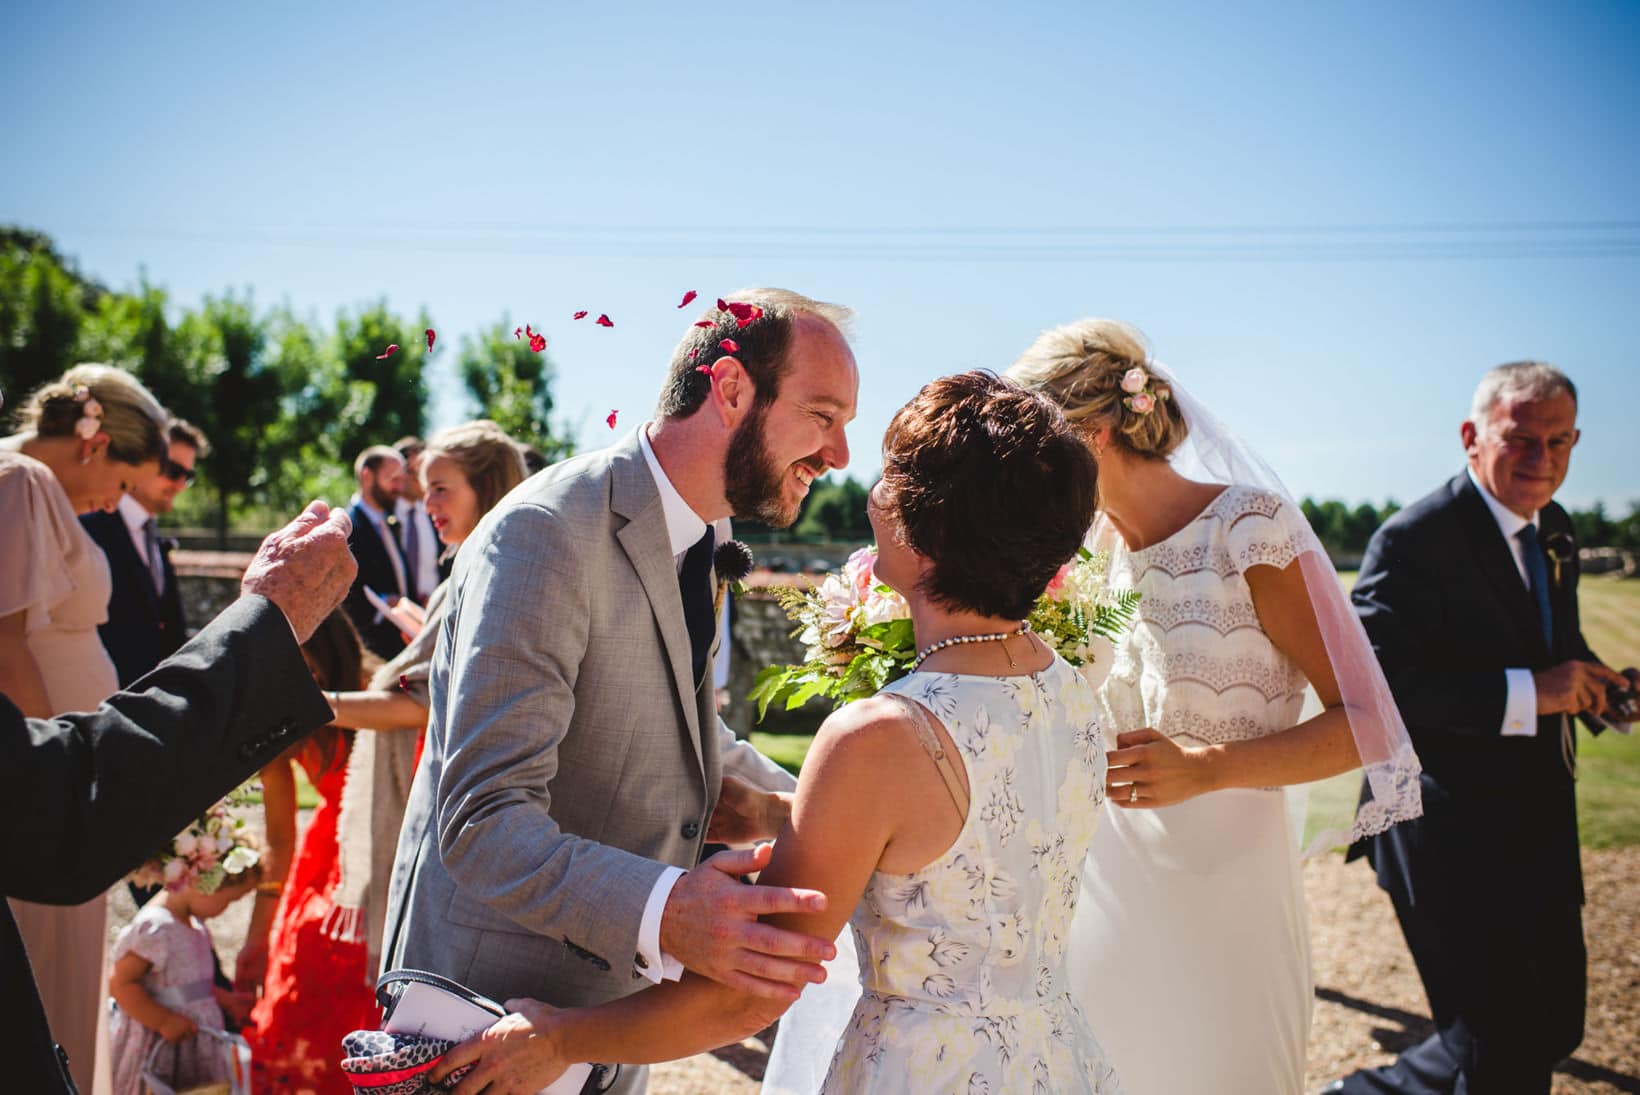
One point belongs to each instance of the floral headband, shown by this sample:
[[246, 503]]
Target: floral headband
[[1140, 398], [91, 413], [206, 854]]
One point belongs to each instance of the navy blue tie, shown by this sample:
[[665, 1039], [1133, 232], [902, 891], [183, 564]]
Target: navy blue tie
[[1537, 569], [695, 586]]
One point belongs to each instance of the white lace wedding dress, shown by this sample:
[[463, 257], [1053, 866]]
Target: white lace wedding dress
[[1190, 947]]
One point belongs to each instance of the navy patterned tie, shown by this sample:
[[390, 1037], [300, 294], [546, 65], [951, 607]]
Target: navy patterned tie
[[1537, 569]]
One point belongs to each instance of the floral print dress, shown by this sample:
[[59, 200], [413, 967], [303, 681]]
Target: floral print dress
[[962, 963]]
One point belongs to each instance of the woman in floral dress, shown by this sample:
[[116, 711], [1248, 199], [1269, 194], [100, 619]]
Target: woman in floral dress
[[948, 814]]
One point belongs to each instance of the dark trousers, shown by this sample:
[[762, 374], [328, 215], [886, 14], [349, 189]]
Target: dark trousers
[[1507, 998]]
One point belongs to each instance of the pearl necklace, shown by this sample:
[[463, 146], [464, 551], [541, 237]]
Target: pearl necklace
[[994, 637]]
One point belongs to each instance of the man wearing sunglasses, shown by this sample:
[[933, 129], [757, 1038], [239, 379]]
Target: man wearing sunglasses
[[145, 622]]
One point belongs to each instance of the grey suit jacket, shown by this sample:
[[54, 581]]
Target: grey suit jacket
[[569, 755]]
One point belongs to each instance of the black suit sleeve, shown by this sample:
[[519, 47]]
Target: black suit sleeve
[[90, 796], [1399, 599]]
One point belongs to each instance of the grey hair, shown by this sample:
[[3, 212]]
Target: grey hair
[[1530, 380]]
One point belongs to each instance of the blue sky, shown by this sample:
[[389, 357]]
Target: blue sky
[[1329, 219]]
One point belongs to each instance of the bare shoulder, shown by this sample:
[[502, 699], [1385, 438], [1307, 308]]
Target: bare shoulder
[[869, 736]]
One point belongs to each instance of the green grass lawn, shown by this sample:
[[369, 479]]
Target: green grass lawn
[[1608, 787]]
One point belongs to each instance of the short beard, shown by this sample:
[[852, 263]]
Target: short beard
[[381, 499], [750, 482]]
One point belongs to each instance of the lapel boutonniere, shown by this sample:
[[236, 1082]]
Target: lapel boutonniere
[[1560, 548], [732, 561]]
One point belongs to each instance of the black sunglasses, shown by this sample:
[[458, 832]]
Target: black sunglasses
[[175, 472]]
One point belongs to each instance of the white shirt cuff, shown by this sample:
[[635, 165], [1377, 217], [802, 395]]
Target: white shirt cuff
[[652, 962], [1520, 706]]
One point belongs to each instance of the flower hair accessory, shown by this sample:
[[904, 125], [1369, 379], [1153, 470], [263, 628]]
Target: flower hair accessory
[[91, 413], [209, 852], [1140, 398]]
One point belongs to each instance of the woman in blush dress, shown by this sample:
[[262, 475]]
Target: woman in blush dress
[[1190, 949], [83, 439], [948, 814]]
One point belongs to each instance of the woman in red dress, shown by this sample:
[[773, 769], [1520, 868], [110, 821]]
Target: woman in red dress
[[313, 978]]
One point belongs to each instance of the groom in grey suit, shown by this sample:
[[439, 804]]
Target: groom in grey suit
[[574, 761]]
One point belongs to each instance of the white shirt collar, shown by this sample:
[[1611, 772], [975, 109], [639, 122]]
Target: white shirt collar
[[1509, 522], [683, 525], [376, 516], [134, 513]]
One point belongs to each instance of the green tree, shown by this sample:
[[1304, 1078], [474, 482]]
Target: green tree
[[511, 384], [386, 397], [43, 302], [835, 510]]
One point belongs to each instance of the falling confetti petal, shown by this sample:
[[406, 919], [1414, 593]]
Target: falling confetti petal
[[538, 342], [518, 332], [431, 336], [404, 682], [687, 297], [707, 369], [729, 346], [745, 314], [604, 321], [392, 348], [722, 307], [706, 323], [579, 315], [611, 419]]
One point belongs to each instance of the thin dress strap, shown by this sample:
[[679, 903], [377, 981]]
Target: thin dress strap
[[922, 723]]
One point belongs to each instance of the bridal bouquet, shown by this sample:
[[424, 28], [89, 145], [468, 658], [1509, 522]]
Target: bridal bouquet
[[857, 636], [214, 847]]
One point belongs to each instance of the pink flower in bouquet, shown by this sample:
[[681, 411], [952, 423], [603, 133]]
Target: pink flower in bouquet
[[1141, 403], [1134, 380], [880, 608], [1058, 581], [837, 601], [858, 571], [187, 842], [174, 872]]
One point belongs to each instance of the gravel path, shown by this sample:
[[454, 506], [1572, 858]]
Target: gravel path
[[1369, 1002]]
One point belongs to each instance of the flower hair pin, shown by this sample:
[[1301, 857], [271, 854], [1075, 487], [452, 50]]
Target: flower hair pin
[[91, 413], [1140, 398]]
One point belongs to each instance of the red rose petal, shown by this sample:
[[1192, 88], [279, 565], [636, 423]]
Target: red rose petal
[[729, 346], [538, 343], [722, 307], [579, 315], [518, 332], [604, 321], [706, 323], [392, 348], [707, 369], [611, 419], [687, 297], [404, 683], [431, 335]]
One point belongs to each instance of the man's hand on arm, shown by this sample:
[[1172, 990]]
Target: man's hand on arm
[[745, 814], [305, 568], [1576, 688], [711, 926]]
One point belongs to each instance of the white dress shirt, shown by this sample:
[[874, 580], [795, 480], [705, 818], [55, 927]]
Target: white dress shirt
[[1520, 703], [424, 567], [684, 528], [135, 516]]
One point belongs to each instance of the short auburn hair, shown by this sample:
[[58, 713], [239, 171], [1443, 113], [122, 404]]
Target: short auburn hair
[[992, 484]]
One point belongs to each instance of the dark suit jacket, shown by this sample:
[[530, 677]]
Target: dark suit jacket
[[143, 628], [89, 796], [375, 571]]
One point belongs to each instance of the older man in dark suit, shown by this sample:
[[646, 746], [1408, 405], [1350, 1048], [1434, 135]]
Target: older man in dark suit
[[89, 796], [1470, 599]]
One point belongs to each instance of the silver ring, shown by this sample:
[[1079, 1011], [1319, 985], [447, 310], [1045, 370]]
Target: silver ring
[[1133, 792]]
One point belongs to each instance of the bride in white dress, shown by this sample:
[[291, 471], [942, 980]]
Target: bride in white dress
[[1191, 899], [950, 814]]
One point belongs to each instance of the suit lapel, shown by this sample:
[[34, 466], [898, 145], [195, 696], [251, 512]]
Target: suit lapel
[[644, 539], [1496, 561]]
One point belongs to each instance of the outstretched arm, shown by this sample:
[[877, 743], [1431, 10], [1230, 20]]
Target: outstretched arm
[[866, 785]]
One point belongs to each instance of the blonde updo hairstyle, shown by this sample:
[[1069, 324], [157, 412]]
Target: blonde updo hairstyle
[[131, 417], [1080, 366]]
